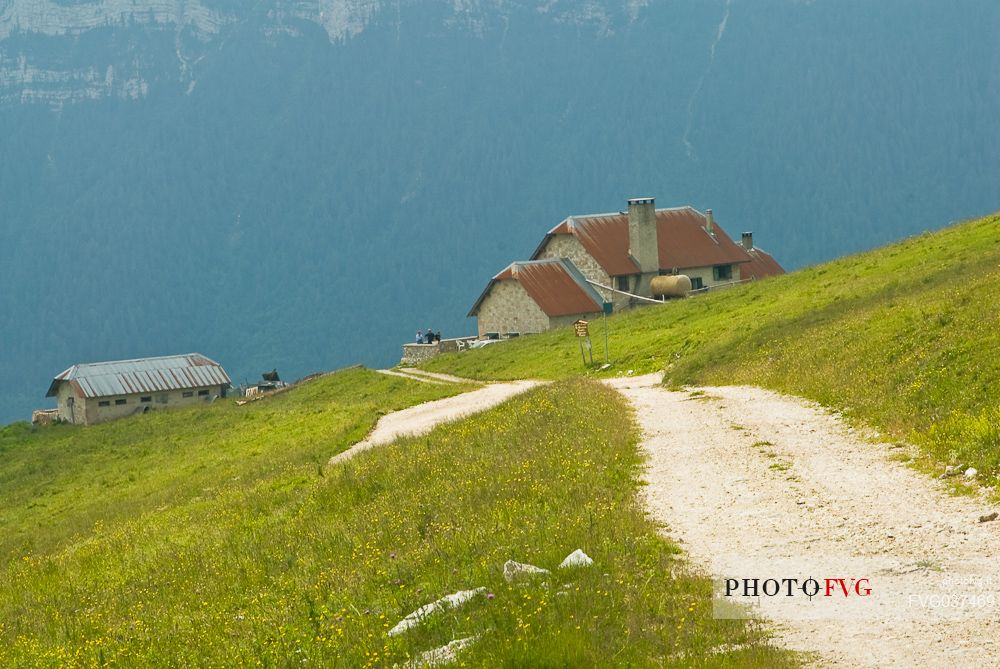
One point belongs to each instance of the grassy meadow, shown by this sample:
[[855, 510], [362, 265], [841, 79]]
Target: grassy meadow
[[58, 483], [310, 565], [219, 535], [905, 339]]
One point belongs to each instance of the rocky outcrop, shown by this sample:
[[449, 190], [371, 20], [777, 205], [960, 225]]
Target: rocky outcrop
[[30, 75], [47, 17]]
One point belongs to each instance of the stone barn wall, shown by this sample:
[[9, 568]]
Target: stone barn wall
[[509, 308]]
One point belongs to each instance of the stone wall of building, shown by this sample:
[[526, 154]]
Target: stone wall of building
[[508, 308], [72, 409], [568, 246], [89, 411], [707, 275]]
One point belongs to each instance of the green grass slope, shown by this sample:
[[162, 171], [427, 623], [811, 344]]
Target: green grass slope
[[57, 483], [312, 565], [905, 338]]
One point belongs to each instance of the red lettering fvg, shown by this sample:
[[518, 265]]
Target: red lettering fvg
[[856, 586]]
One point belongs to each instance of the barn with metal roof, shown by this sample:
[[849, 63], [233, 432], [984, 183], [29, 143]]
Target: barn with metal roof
[[100, 391]]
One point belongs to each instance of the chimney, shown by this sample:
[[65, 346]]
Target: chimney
[[747, 240], [709, 222], [642, 234]]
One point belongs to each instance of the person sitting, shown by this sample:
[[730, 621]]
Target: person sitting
[[420, 336], [437, 336]]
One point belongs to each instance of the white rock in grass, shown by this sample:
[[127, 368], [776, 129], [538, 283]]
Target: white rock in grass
[[513, 570], [448, 601], [443, 655], [576, 559], [970, 473]]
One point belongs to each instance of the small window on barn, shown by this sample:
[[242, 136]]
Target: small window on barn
[[202, 393], [121, 402], [723, 272], [104, 403], [146, 400], [696, 283], [623, 283], [188, 393]]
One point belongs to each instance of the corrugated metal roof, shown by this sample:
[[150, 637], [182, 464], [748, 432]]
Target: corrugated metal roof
[[145, 375], [555, 284], [761, 265], [682, 241]]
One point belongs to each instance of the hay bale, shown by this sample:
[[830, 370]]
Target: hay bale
[[677, 285]]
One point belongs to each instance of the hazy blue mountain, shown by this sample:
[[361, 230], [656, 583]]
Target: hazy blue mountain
[[304, 184]]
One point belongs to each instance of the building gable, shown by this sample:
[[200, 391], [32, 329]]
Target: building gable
[[554, 284]]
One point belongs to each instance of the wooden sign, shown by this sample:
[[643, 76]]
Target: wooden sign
[[582, 329]]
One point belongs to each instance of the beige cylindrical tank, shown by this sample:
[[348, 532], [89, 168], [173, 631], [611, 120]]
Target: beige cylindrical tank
[[677, 285]]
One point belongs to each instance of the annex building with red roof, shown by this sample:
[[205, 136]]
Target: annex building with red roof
[[534, 296]]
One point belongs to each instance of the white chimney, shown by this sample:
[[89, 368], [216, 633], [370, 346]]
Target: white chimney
[[709, 222], [748, 240]]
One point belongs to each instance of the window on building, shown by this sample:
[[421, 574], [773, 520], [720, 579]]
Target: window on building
[[121, 402], [696, 283], [722, 272], [146, 400], [623, 283], [202, 393], [104, 403], [187, 393]]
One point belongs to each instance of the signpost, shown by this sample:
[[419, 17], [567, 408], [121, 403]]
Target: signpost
[[582, 328]]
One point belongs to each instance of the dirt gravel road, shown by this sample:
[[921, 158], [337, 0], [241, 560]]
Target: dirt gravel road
[[750, 481], [423, 418]]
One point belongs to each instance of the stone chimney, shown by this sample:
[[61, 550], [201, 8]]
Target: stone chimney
[[709, 222], [747, 240], [642, 234]]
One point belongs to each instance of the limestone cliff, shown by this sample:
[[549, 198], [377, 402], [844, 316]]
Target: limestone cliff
[[63, 51]]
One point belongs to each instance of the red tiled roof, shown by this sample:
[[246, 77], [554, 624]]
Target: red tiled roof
[[606, 239], [761, 265], [555, 284], [682, 241]]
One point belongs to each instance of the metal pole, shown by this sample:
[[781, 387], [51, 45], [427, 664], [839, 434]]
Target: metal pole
[[583, 355], [607, 360]]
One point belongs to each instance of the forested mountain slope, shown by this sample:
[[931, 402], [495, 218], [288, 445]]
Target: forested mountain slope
[[303, 185]]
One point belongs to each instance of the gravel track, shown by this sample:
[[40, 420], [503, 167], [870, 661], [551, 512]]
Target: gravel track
[[744, 477], [423, 418]]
